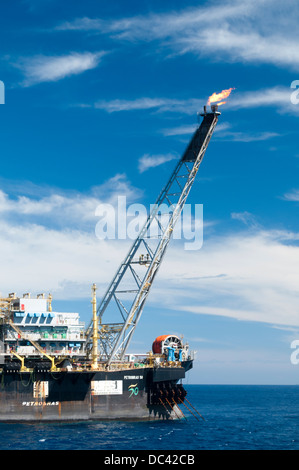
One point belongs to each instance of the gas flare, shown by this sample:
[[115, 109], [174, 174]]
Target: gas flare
[[215, 97]]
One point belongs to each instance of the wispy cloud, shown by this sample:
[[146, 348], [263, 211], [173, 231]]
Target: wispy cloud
[[57, 231], [246, 218], [235, 275], [64, 262], [246, 136], [223, 131], [150, 161], [227, 31], [42, 68], [189, 129], [277, 97], [145, 103], [292, 195], [61, 209], [180, 130]]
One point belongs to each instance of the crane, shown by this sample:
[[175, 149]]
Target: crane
[[126, 295]]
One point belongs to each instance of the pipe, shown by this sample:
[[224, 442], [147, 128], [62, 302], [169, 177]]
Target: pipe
[[166, 409], [179, 409], [194, 409], [189, 409], [172, 408]]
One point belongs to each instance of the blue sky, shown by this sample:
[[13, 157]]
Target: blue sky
[[100, 99]]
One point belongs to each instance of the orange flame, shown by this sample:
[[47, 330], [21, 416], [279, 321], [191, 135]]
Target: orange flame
[[220, 96]]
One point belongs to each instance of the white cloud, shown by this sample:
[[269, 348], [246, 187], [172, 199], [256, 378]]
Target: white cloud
[[247, 136], [81, 24], [248, 274], [48, 243], [223, 131], [65, 209], [150, 161], [63, 262], [159, 104], [41, 68], [226, 31], [246, 217], [180, 130], [184, 130], [292, 195], [278, 97]]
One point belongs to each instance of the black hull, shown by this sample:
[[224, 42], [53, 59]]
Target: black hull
[[132, 394]]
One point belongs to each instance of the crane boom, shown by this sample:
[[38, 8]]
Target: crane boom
[[129, 289]]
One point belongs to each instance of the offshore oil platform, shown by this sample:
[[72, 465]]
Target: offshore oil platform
[[53, 368]]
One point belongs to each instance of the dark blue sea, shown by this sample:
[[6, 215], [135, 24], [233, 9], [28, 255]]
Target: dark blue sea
[[234, 417]]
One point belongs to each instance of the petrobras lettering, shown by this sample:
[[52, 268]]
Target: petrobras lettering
[[40, 403]]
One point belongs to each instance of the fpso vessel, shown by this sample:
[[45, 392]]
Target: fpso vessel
[[53, 369], [45, 375]]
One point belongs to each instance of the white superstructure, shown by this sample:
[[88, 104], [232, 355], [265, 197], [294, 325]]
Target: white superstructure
[[56, 333]]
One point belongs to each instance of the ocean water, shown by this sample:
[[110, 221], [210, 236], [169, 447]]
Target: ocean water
[[234, 417]]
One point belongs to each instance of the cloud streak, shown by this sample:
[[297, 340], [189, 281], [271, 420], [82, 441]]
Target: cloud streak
[[151, 161], [224, 132], [52, 240], [292, 196], [234, 274], [62, 209], [160, 105], [225, 31], [277, 97], [39, 69]]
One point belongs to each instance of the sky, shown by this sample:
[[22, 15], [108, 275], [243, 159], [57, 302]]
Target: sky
[[101, 99]]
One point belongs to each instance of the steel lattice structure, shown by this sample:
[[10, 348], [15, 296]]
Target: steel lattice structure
[[126, 295]]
